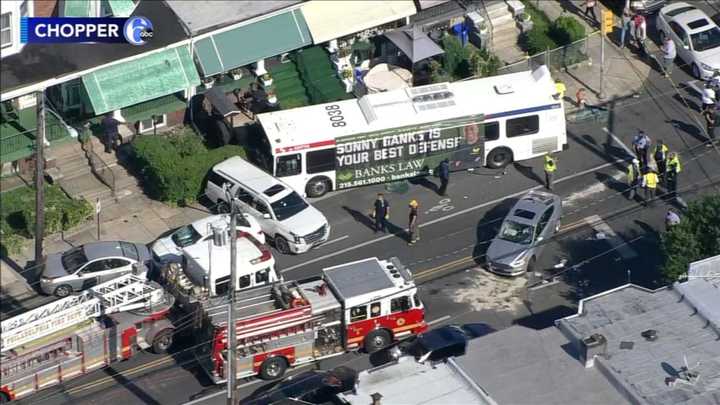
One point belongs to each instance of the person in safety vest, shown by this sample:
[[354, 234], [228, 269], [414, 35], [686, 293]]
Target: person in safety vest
[[650, 182], [633, 178], [560, 89], [671, 175], [550, 167], [660, 153]]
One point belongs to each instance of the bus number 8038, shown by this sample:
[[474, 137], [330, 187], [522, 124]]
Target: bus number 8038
[[336, 117]]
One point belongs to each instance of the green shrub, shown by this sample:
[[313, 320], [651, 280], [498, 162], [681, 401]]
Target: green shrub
[[61, 213], [536, 40], [483, 63], [566, 30], [10, 241], [173, 167], [456, 57]]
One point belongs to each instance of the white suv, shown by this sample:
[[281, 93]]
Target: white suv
[[285, 217]]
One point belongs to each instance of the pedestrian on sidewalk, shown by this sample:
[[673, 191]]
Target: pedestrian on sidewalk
[[711, 121], [650, 181], [627, 16], [581, 98], [660, 156], [590, 9], [673, 171], [444, 174], [110, 129], [560, 89], [381, 213], [708, 96], [633, 178], [668, 53], [550, 168], [641, 144], [413, 230], [672, 218], [640, 33]]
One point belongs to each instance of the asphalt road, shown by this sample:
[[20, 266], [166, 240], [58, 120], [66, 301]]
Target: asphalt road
[[606, 240]]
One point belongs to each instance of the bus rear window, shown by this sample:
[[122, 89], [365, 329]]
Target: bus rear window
[[523, 126], [321, 161]]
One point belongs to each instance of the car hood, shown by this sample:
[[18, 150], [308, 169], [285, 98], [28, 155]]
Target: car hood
[[53, 267], [305, 221], [710, 57], [165, 247], [502, 251]]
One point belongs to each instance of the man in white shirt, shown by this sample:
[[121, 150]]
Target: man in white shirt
[[708, 96], [669, 54]]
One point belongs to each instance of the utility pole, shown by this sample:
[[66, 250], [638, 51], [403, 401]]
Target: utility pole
[[231, 329], [39, 176]]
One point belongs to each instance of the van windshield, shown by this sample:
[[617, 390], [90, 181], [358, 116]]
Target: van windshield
[[185, 236], [288, 206]]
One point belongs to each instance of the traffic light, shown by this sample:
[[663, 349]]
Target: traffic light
[[607, 21]]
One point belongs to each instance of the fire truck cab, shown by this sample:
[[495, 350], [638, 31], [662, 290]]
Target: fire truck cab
[[364, 304]]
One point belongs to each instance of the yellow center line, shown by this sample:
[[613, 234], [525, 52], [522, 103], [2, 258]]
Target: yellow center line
[[445, 266], [127, 372]]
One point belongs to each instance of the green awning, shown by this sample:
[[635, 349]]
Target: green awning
[[250, 43], [77, 8], [121, 8], [143, 79]]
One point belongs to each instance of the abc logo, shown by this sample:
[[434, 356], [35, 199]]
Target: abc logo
[[138, 30]]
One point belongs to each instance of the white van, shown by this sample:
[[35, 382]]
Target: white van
[[285, 217]]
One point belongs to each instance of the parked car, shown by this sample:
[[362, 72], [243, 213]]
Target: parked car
[[309, 387], [533, 219], [169, 248], [696, 37], [293, 225], [85, 266], [647, 6]]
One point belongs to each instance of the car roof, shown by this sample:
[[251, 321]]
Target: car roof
[[440, 338], [690, 16], [98, 250], [251, 176], [534, 202]]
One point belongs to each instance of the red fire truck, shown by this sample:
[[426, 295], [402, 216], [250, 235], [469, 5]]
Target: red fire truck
[[81, 333], [360, 305]]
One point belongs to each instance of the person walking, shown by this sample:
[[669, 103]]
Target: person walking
[[660, 156], [444, 174], [650, 181], [673, 170], [381, 213], [110, 129], [672, 218], [668, 54], [590, 9], [708, 96], [550, 168], [626, 25], [641, 144], [413, 230], [711, 121], [633, 178], [640, 32]]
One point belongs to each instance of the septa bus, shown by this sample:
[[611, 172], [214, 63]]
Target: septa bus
[[404, 133]]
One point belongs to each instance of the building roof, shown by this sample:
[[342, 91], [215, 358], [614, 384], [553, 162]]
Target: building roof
[[201, 16], [519, 365], [38, 63], [702, 288], [642, 368], [492, 96]]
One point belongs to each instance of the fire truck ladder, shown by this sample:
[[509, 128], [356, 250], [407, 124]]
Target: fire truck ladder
[[124, 293]]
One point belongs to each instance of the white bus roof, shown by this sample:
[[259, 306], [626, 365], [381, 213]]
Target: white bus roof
[[496, 96]]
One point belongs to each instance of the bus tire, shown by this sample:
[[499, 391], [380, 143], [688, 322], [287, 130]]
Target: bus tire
[[63, 290], [376, 340], [162, 341], [317, 187], [499, 158], [273, 368]]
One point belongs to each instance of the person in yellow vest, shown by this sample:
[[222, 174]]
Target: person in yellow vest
[[671, 175], [550, 168], [650, 182], [633, 178], [560, 89]]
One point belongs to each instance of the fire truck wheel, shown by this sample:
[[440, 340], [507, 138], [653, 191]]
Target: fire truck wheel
[[281, 244], [162, 341], [63, 291], [317, 187], [499, 158], [273, 368], [376, 340]]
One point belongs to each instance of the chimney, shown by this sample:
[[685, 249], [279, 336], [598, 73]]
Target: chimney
[[594, 345], [376, 398]]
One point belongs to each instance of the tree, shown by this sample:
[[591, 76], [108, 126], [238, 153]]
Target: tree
[[695, 238]]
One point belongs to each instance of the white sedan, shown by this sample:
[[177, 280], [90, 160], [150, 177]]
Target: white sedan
[[696, 37], [169, 248]]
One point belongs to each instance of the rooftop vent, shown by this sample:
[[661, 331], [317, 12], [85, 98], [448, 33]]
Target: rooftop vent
[[504, 89]]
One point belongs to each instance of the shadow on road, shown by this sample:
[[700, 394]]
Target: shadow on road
[[120, 379], [528, 172], [488, 227], [546, 319]]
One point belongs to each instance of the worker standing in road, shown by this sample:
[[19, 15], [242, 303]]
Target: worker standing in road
[[550, 168], [633, 178], [660, 156], [413, 230], [381, 213], [444, 174], [560, 90], [650, 181], [641, 145], [671, 176]]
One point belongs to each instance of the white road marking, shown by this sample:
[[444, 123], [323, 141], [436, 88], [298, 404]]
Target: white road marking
[[596, 188], [630, 152], [617, 243], [334, 240], [442, 318], [449, 216]]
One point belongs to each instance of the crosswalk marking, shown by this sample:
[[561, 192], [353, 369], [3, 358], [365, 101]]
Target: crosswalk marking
[[617, 243]]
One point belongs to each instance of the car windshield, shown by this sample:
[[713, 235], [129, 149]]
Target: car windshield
[[288, 206], [73, 259], [516, 232], [185, 236], [705, 40]]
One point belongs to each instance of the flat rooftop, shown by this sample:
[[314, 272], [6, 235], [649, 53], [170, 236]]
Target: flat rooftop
[[519, 365], [640, 367]]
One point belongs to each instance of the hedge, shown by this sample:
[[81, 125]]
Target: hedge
[[566, 30], [550, 35], [173, 168]]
